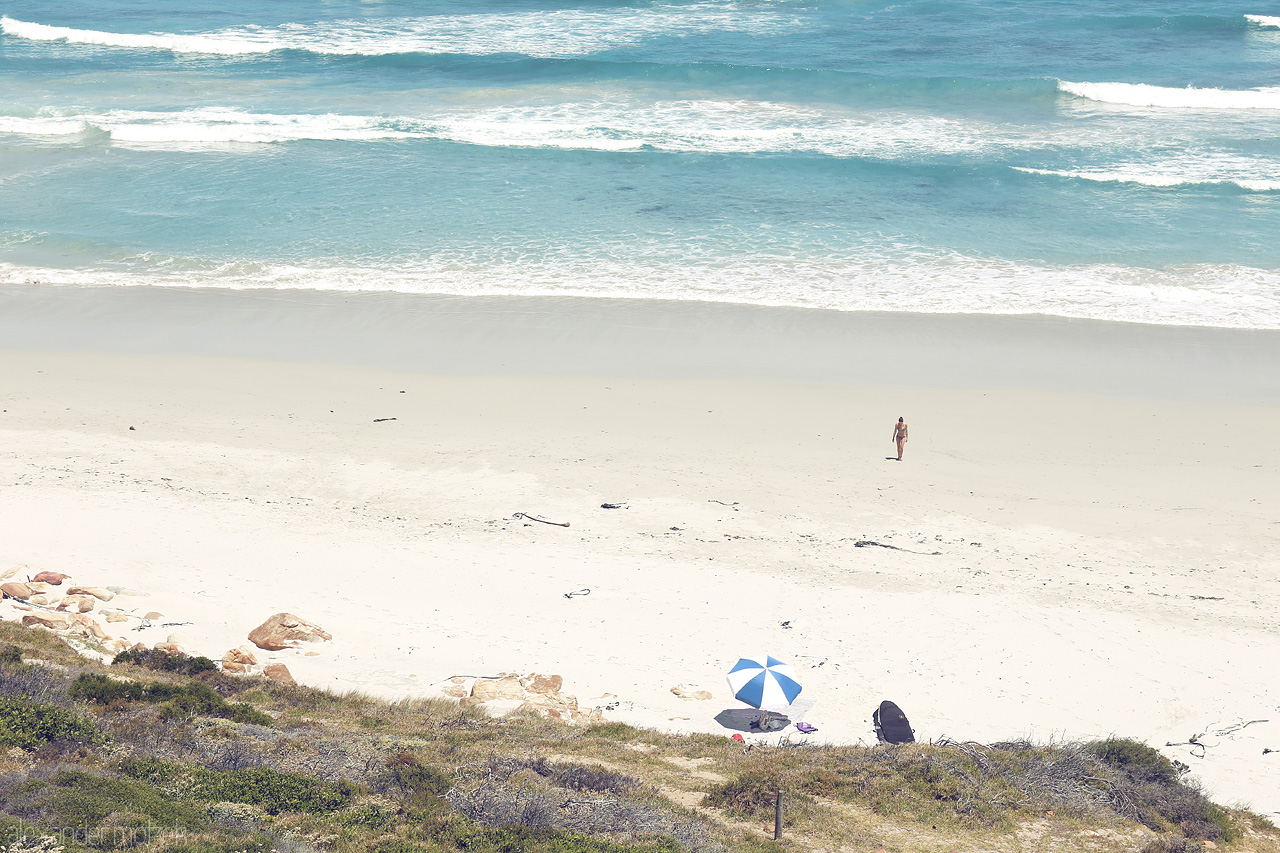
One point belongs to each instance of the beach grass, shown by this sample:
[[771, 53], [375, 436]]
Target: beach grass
[[316, 770]]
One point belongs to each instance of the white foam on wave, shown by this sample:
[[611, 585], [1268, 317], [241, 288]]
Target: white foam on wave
[[1199, 295], [551, 33], [685, 126], [1145, 95], [230, 46], [1192, 170], [1263, 20]]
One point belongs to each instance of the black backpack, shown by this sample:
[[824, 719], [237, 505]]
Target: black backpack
[[891, 724]]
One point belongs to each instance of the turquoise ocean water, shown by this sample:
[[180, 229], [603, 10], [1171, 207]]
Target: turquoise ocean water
[[1115, 160]]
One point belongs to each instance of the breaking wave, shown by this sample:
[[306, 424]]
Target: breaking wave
[[554, 33], [1187, 171], [702, 126], [1229, 296], [1145, 95]]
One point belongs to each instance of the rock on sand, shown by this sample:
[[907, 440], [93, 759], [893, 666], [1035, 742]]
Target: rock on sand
[[286, 631]]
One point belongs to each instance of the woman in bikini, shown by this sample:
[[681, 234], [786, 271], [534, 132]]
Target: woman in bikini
[[900, 435]]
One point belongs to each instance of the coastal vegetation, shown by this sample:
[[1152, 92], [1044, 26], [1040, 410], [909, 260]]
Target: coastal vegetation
[[161, 753]]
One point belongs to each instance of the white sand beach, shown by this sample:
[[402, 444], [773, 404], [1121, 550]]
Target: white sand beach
[[1085, 529]]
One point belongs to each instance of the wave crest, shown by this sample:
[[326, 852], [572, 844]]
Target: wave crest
[[1146, 95], [1263, 20], [555, 33], [685, 126], [1201, 170]]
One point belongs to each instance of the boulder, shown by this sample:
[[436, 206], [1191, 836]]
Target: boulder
[[169, 648], [278, 672], [16, 589], [238, 660], [497, 688], [91, 626], [116, 616], [153, 615], [52, 621], [42, 600], [38, 586], [78, 603], [52, 578], [534, 683], [116, 646], [588, 718], [96, 591], [690, 692], [286, 631]]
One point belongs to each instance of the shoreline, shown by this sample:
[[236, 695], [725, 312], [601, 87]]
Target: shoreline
[[502, 335], [1118, 586]]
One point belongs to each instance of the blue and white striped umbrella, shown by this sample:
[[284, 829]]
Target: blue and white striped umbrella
[[764, 682]]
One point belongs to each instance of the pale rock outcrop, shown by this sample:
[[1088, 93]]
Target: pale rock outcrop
[[153, 615], [486, 689], [17, 589], [457, 687], [590, 718], [286, 631], [169, 648], [78, 603], [39, 598], [690, 692], [239, 660], [13, 571], [535, 683], [116, 616], [116, 646], [559, 706], [38, 586], [96, 591], [88, 626], [52, 578], [52, 621], [278, 672]]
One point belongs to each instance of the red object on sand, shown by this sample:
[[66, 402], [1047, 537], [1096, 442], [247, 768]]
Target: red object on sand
[[739, 738]]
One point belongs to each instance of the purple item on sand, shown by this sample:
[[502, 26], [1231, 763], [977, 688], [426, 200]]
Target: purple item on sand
[[805, 727]]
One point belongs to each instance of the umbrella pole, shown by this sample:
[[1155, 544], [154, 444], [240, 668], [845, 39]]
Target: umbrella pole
[[777, 817]]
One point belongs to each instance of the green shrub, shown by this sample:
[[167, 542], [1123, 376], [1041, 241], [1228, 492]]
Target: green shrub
[[79, 799], [746, 796], [1163, 802], [164, 662], [368, 816], [272, 790], [28, 725], [415, 784], [149, 770], [122, 831], [1142, 763], [179, 700], [10, 655]]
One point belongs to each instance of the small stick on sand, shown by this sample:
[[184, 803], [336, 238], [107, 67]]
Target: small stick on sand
[[543, 520]]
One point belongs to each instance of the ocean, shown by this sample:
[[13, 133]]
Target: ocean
[[1116, 160]]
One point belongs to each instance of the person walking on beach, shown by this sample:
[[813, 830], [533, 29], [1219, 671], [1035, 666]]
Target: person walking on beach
[[900, 435]]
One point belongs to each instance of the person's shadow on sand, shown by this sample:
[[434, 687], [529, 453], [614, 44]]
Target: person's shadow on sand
[[893, 459]]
